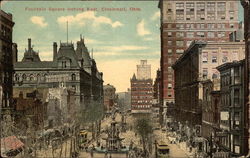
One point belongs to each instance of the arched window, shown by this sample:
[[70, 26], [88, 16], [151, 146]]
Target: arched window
[[38, 77], [73, 77], [24, 77], [214, 76], [31, 77], [17, 77]]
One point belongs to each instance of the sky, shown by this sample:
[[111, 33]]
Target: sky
[[119, 39]]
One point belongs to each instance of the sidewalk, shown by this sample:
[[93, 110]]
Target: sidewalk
[[183, 146]]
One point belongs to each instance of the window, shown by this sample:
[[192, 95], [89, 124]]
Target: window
[[221, 34], [169, 61], [204, 57], [231, 15], [224, 57], [236, 75], [204, 73], [170, 69], [64, 64], [170, 77], [200, 34], [169, 25], [214, 57], [215, 74], [17, 77], [191, 26], [180, 34], [169, 34], [179, 51], [180, 43], [170, 43], [190, 34], [235, 56], [24, 77], [236, 97], [169, 51], [179, 26], [169, 94], [231, 25], [169, 86], [188, 43], [73, 77], [210, 34]]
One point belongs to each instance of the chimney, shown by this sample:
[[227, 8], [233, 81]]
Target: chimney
[[29, 44], [54, 51]]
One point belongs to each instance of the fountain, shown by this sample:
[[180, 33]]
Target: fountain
[[113, 140]]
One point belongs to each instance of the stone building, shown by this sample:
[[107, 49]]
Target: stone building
[[183, 21], [246, 6], [124, 100], [72, 68], [141, 95], [110, 99], [198, 63], [7, 57], [143, 70], [233, 111]]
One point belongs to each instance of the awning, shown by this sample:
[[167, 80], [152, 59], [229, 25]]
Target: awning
[[10, 143]]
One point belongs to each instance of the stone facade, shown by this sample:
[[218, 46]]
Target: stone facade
[[6, 61], [143, 70], [72, 68]]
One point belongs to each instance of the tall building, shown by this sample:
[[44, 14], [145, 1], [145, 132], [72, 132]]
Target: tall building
[[6, 62], [246, 6], [70, 68], [142, 89], [143, 70], [183, 21]]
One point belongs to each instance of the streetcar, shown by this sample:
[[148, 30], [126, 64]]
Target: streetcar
[[83, 138], [161, 149]]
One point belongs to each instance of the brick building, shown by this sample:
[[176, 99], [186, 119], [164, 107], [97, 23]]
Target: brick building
[[246, 6], [7, 57], [233, 111], [141, 95], [109, 97], [185, 21]]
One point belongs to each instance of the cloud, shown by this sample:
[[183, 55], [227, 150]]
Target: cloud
[[82, 18], [38, 20], [141, 30], [156, 15]]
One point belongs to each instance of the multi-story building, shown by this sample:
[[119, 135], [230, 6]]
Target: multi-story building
[[233, 111], [141, 95], [183, 21], [246, 6], [7, 56], [109, 97], [143, 70], [142, 89], [199, 63], [72, 68]]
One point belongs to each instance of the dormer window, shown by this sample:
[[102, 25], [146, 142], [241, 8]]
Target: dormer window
[[64, 64]]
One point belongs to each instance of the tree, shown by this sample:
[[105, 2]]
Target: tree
[[144, 128]]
